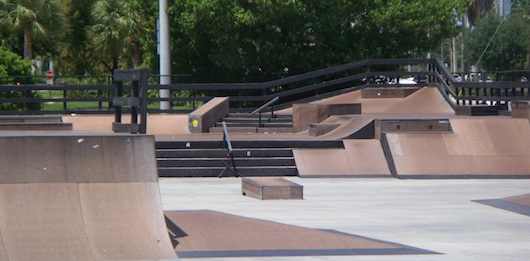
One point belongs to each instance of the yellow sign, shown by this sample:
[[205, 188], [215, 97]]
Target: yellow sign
[[194, 123]]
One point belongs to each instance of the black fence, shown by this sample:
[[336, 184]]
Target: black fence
[[65, 97]]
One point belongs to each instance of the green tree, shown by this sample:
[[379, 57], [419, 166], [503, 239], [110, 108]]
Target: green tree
[[75, 58], [477, 9], [146, 56], [504, 47], [522, 8], [14, 70], [401, 28], [115, 27], [223, 38], [474, 10], [31, 17]]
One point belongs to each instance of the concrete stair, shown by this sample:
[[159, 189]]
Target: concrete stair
[[252, 158], [249, 123]]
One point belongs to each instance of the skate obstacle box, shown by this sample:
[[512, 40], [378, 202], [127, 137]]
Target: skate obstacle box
[[271, 188], [33, 123], [521, 109], [309, 116], [201, 119]]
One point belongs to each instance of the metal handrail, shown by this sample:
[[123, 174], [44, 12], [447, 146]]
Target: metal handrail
[[231, 163], [226, 138], [266, 105], [269, 103]]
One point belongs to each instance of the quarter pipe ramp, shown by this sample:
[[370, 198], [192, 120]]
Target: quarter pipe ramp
[[73, 196]]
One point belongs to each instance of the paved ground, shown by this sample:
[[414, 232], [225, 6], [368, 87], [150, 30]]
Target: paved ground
[[435, 215]]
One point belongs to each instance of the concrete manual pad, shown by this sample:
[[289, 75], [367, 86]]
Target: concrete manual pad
[[215, 234], [266, 188]]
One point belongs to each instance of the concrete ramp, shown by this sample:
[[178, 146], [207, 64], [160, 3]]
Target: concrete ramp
[[359, 158], [477, 148], [350, 126], [425, 101], [80, 197]]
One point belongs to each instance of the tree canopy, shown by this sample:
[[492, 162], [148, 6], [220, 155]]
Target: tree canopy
[[495, 44], [271, 37], [12, 64], [234, 40], [31, 17]]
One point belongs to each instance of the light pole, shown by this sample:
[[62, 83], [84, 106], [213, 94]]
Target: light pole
[[164, 52]]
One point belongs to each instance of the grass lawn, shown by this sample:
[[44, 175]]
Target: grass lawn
[[58, 106]]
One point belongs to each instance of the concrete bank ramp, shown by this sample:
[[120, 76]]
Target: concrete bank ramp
[[425, 101], [73, 196], [477, 148], [360, 158]]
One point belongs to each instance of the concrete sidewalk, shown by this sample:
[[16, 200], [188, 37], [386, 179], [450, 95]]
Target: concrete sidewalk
[[436, 215]]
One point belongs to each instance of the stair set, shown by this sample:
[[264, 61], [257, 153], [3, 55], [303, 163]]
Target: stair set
[[253, 123], [251, 158]]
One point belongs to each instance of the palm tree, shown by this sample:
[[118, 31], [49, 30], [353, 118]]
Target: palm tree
[[116, 25], [31, 17]]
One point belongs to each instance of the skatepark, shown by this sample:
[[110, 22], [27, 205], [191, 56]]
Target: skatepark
[[426, 184]]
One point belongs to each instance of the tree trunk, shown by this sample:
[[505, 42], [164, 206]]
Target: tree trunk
[[115, 63], [451, 56], [454, 65], [462, 44], [28, 41], [135, 42], [442, 55]]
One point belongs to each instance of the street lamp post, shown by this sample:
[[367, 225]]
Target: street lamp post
[[164, 53]]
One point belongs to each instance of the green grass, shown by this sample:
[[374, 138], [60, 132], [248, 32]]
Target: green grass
[[58, 106]]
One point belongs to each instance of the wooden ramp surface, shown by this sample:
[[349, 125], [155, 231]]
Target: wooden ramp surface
[[477, 148], [206, 233], [425, 101], [359, 158], [80, 197]]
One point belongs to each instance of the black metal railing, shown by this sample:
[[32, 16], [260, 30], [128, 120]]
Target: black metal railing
[[263, 107], [461, 93], [245, 97]]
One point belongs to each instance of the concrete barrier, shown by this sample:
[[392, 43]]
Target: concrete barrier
[[476, 110], [412, 126], [344, 109], [201, 119], [306, 114], [389, 92]]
